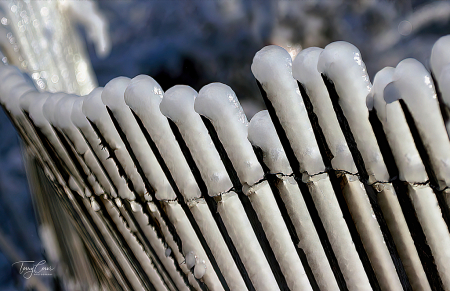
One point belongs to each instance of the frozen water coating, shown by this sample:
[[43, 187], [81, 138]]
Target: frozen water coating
[[82, 123], [12, 87], [304, 69], [78, 118], [114, 98], [444, 84], [51, 111], [94, 109], [220, 105], [50, 104], [10, 81], [12, 103], [262, 134], [27, 99], [413, 84], [63, 110], [191, 242], [39, 119], [409, 163], [178, 106], [440, 56], [440, 66], [144, 96], [407, 158], [272, 67], [341, 62]]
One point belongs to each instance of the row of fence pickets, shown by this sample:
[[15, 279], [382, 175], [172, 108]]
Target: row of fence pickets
[[186, 201]]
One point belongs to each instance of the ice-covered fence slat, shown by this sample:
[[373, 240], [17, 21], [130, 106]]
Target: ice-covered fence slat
[[262, 134], [178, 106], [219, 104], [113, 97], [144, 96], [305, 69], [399, 136], [284, 97]]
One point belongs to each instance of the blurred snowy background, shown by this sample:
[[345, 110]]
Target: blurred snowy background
[[198, 42]]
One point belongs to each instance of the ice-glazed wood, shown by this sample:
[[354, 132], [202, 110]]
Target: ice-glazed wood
[[82, 123], [137, 249], [272, 67], [434, 227], [412, 83], [439, 61], [304, 69], [219, 103], [119, 256], [143, 95], [407, 158], [64, 108], [262, 134], [158, 245], [246, 243], [113, 97], [370, 233], [411, 170], [191, 242], [178, 106], [40, 121], [342, 64], [279, 88], [266, 208], [95, 111], [153, 210], [338, 233], [219, 249]]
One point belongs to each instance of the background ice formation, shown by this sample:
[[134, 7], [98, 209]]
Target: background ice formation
[[197, 42]]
